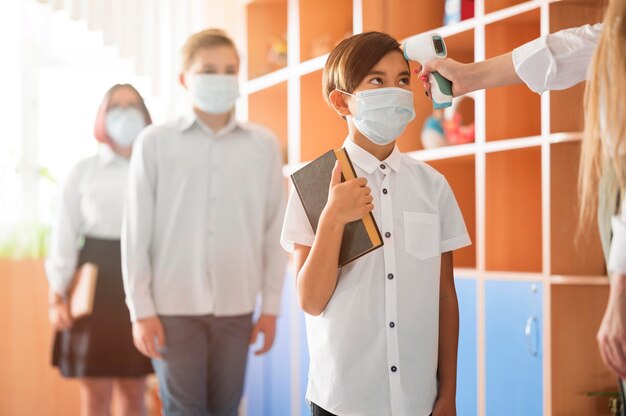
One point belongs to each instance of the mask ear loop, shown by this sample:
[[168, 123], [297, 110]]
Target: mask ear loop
[[347, 93]]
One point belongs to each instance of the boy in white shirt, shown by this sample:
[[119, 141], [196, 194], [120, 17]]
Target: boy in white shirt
[[201, 238], [383, 330]]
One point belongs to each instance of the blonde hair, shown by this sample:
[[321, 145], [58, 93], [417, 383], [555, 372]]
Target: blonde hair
[[208, 38], [604, 114]]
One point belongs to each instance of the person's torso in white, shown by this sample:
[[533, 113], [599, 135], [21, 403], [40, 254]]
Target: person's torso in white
[[213, 197], [90, 204], [384, 311]]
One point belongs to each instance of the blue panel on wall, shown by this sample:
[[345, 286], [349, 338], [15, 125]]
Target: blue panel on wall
[[268, 378], [466, 370], [514, 382]]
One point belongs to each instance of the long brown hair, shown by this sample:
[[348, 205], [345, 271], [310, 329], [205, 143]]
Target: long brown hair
[[605, 113]]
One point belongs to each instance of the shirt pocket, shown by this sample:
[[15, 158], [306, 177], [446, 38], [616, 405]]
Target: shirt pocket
[[421, 234]]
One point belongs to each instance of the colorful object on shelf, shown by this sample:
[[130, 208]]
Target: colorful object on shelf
[[433, 134], [425, 48], [458, 128], [277, 52], [458, 10]]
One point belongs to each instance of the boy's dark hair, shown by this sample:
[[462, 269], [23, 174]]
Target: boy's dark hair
[[353, 58]]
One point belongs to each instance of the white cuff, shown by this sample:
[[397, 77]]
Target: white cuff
[[617, 255], [140, 307], [534, 64]]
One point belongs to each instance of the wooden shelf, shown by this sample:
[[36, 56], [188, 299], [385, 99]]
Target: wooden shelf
[[268, 107], [513, 111], [321, 128], [402, 18], [570, 256], [267, 32], [513, 211], [576, 365], [495, 5], [460, 173], [323, 24]]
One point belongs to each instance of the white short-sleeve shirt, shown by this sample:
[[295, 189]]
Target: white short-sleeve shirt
[[374, 348]]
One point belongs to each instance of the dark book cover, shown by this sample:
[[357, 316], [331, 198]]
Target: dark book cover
[[312, 185]]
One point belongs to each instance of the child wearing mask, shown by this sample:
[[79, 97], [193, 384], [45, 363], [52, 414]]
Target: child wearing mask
[[201, 238], [98, 349], [383, 330]]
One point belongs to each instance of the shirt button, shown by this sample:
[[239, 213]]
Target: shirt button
[[392, 324], [385, 191], [387, 234], [382, 166], [390, 276], [394, 368]]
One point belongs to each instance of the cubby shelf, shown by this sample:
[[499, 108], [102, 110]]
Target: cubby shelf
[[516, 185]]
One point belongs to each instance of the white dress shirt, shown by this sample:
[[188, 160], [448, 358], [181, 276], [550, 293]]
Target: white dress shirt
[[90, 204], [202, 224], [374, 348], [559, 60]]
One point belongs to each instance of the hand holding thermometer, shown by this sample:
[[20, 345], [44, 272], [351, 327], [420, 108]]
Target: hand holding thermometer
[[425, 48]]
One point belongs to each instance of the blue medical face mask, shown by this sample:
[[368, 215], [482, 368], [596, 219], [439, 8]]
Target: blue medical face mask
[[382, 114], [123, 124], [214, 93]]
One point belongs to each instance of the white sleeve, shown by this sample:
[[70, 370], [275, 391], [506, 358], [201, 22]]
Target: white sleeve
[[275, 258], [296, 228], [559, 60], [453, 232], [63, 257], [137, 228], [617, 254]]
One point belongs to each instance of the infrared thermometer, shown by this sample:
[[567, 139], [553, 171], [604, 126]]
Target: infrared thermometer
[[423, 49]]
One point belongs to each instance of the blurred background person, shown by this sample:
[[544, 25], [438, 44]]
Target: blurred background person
[[98, 349]]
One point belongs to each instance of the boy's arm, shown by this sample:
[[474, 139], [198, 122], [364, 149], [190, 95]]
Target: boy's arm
[[316, 266], [448, 332]]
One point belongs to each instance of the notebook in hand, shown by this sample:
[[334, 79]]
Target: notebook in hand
[[312, 185], [83, 290]]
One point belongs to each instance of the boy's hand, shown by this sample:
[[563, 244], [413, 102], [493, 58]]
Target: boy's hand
[[266, 325], [147, 333], [444, 406], [348, 201]]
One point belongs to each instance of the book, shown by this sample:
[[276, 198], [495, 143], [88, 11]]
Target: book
[[83, 290], [312, 185]]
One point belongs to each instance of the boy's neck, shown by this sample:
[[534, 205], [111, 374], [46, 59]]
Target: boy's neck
[[380, 152], [215, 122]]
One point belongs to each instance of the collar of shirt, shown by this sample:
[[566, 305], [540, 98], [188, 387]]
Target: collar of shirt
[[368, 162], [190, 118], [108, 156]]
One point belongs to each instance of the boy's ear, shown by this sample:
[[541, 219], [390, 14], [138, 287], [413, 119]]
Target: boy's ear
[[337, 99], [183, 79]]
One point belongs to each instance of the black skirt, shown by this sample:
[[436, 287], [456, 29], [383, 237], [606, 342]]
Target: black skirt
[[101, 344]]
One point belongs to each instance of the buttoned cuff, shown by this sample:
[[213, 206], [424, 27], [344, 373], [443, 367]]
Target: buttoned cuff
[[140, 307], [534, 64], [271, 304], [617, 255]]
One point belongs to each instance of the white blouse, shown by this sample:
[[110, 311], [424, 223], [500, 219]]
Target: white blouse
[[90, 204]]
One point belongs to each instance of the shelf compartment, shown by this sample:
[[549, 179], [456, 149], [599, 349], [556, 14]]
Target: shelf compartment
[[577, 368], [268, 107], [513, 211], [402, 18], [460, 172], [495, 5], [266, 36], [569, 255], [321, 128], [513, 111], [323, 24]]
